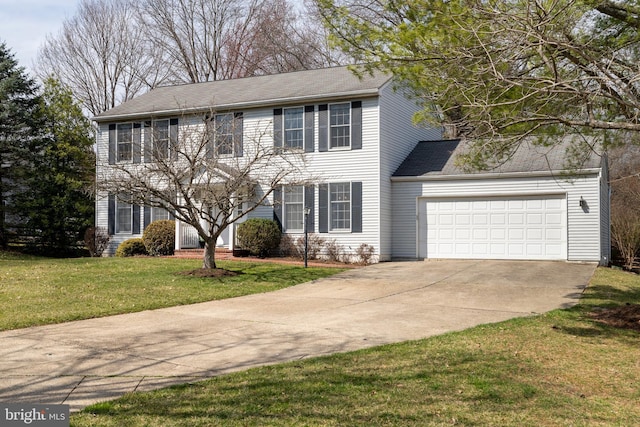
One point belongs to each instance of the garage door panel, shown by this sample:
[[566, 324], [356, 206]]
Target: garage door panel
[[518, 227]]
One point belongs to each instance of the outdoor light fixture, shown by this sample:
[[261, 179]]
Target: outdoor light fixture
[[583, 202], [307, 210]]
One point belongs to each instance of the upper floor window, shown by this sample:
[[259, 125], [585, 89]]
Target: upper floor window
[[124, 145], [293, 208], [340, 125], [161, 139], [225, 134], [294, 127], [340, 206]]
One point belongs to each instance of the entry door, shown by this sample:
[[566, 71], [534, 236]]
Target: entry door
[[525, 227]]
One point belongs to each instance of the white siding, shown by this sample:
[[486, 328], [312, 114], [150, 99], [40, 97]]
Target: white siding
[[583, 225], [398, 136]]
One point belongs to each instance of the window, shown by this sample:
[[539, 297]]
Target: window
[[161, 139], [339, 123], [294, 127], [158, 214], [124, 147], [340, 206], [124, 215], [223, 134], [293, 208]]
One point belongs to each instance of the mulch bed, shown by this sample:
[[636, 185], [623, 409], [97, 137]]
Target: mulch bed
[[626, 316]]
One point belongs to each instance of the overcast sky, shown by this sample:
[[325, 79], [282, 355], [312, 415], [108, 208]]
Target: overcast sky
[[24, 25]]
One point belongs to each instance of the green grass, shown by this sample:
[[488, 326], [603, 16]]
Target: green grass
[[38, 291], [556, 369]]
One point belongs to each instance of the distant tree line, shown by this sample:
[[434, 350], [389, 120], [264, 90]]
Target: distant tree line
[[112, 50]]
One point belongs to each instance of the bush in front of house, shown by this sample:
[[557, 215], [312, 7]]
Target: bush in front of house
[[131, 247], [259, 236], [160, 237]]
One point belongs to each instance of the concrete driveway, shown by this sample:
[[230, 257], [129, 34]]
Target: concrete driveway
[[79, 363]]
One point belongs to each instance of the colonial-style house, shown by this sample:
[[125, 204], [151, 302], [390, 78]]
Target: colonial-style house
[[383, 180]]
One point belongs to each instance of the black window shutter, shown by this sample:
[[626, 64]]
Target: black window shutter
[[277, 206], [112, 144], [323, 208], [238, 126], [111, 215], [309, 202], [173, 138], [356, 125], [147, 217], [135, 229], [356, 207], [277, 127], [137, 141], [323, 130], [147, 142], [309, 122]]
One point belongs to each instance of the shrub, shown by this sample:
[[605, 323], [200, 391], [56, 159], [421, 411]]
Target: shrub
[[335, 251], [365, 253], [96, 239], [289, 247], [259, 236], [314, 246], [160, 237], [131, 247]]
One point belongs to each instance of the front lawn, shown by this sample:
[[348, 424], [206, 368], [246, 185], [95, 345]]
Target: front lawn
[[38, 291], [561, 368]]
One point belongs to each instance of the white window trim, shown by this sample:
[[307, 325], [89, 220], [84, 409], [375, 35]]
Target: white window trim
[[284, 210], [118, 160], [284, 128], [217, 133], [118, 231], [341, 148], [350, 210], [153, 138]]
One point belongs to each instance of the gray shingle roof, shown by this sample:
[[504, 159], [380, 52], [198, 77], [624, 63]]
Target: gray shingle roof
[[437, 158], [300, 86]]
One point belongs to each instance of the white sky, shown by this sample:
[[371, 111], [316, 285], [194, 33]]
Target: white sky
[[24, 25]]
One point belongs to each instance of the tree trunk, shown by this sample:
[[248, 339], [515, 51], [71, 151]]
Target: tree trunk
[[209, 260]]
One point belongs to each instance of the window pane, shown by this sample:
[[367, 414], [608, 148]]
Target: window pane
[[339, 120], [224, 134], [294, 127], [340, 201], [293, 208], [125, 140], [161, 139], [159, 213], [124, 217]]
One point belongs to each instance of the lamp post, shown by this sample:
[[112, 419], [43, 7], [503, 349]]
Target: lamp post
[[307, 210]]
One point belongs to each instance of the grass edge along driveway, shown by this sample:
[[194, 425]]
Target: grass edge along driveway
[[559, 368], [38, 291]]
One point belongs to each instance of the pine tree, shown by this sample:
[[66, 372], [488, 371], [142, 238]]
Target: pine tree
[[19, 135], [57, 205]]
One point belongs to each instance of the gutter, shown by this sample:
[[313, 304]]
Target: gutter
[[496, 175]]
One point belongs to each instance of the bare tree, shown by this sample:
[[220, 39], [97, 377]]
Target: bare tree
[[101, 55], [206, 40], [207, 176]]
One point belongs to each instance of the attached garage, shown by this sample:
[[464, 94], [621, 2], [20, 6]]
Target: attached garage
[[513, 227], [529, 208]]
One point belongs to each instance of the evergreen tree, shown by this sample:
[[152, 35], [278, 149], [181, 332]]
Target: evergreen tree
[[19, 135], [57, 205]]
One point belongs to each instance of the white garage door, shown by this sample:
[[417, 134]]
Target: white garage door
[[527, 227]]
